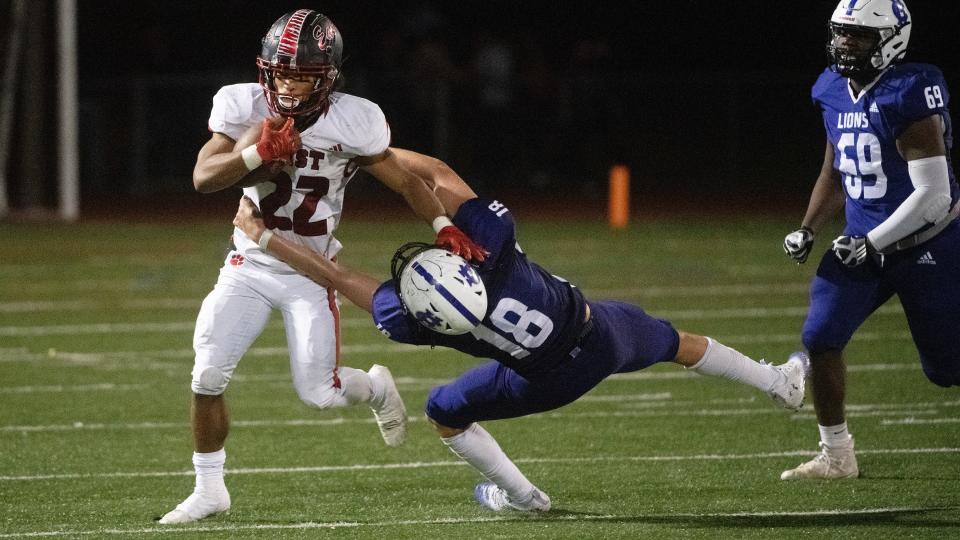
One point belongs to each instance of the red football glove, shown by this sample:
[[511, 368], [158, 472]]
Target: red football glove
[[278, 144], [451, 238]]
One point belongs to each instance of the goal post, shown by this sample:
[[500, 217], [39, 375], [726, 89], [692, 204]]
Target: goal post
[[67, 109], [69, 170]]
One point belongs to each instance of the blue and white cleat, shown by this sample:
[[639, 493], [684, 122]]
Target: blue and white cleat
[[492, 497], [790, 391]]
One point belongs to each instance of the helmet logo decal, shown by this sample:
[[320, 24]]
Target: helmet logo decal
[[468, 276], [853, 3], [900, 12], [290, 37], [447, 295], [324, 36]]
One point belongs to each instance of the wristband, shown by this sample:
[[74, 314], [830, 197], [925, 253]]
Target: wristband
[[440, 222], [251, 158], [265, 239]]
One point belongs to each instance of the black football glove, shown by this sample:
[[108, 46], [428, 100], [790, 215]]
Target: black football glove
[[797, 245], [852, 250]]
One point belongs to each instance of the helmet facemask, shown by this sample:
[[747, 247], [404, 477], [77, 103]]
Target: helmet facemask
[[325, 80], [860, 64]]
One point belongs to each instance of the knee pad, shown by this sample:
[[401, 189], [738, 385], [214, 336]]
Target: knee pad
[[439, 413], [320, 397], [210, 381], [817, 342]]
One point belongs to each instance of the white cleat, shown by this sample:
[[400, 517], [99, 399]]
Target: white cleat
[[196, 507], [391, 414], [789, 392], [830, 464], [492, 497]]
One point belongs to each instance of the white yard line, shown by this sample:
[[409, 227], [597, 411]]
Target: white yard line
[[919, 421], [185, 326], [99, 387], [762, 408], [545, 518], [766, 289], [457, 463], [698, 291]]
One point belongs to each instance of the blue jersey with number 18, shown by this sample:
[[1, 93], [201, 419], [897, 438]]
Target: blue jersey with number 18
[[532, 317], [864, 131]]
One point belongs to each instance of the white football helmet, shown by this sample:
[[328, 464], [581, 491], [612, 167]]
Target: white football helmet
[[888, 22], [442, 291]]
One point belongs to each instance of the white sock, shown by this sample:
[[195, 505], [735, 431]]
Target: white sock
[[356, 386], [480, 449], [209, 469], [722, 361], [836, 436]]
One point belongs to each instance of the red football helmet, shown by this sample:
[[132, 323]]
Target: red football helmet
[[302, 43]]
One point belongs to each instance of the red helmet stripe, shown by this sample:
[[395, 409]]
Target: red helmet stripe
[[290, 38]]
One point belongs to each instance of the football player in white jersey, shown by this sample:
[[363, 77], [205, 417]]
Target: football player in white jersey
[[292, 142], [887, 164]]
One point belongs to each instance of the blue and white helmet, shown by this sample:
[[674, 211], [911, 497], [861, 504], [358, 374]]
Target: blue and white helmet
[[887, 21], [442, 291]]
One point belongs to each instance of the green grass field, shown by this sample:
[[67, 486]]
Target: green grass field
[[95, 355]]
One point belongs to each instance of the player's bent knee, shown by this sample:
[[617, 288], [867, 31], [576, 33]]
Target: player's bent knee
[[440, 413], [445, 432], [211, 381], [321, 397], [817, 343]]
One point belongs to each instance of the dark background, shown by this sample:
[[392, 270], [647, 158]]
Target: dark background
[[703, 100]]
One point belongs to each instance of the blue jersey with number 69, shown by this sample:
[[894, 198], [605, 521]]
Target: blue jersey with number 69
[[864, 132], [532, 317]]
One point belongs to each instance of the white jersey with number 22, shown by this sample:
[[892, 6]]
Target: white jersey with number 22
[[305, 201]]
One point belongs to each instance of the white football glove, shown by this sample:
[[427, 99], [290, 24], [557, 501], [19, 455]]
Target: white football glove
[[852, 250], [797, 245]]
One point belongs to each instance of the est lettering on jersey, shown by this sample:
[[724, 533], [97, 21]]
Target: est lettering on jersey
[[306, 201], [864, 131], [532, 316]]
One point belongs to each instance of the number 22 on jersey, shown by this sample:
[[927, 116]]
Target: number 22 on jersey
[[861, 165]]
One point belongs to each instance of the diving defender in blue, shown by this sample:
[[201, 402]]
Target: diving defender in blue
[[545, 343], [887, 164]]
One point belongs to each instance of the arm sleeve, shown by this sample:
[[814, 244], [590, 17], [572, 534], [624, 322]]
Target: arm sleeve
[[928, 204]]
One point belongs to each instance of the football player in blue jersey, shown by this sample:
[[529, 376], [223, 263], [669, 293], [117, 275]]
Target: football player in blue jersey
[[548, 345], [887, 164]]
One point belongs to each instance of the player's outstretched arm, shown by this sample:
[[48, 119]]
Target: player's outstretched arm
[[392, 171], [222, 163], [450, 188], [356, 286]]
